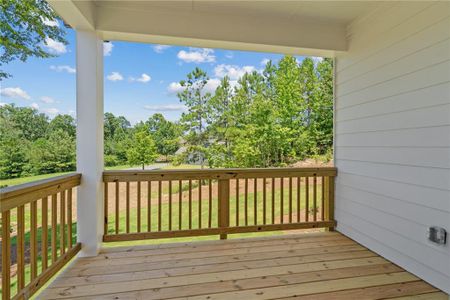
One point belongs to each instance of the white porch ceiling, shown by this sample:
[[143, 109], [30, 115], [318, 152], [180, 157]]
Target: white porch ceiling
[[293, 27]]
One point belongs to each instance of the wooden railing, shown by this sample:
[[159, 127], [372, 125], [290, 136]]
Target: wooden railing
[[37, 233], [180, 203]]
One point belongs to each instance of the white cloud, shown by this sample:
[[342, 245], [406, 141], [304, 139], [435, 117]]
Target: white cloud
[[317, 59], [195, 55], [264, 61], [114, 76], [233, 72], [229, 55], [48, 22], [166, 107], [107, 48], [210, 86], [2, 104], [54, 47], [34, 105], [47, 99], [144, 78], [15, 93], [51, 111], [160, 48], [63, 68], [175, 88]]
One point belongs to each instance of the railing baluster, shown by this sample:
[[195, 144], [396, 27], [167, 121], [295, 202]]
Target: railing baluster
[[149, 206], [170, 204], [199, 203], [298, 198], [264, 199], [290, 199], [117, 207], [54, 225], [322, 205], [33, 239], [127, 207], [273, 200], [315, 198], [210, 203], [237, 202], [307, 199], [138, 206], [44, 242], [246, 201], [62, 222], [69, 218], [180, 200], [282, 200], [20, 247], [190, 204], [159, 204], [6, 255], [255, 200], [105, 208]]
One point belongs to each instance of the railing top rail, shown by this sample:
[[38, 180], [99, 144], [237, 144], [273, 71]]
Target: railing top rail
[[13, 196], [136, 175]]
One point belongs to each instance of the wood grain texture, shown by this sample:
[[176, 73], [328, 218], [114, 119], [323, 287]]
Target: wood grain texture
[[11, 197], [322, 265]]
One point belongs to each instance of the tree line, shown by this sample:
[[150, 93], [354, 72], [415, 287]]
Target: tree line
[[272, 117]]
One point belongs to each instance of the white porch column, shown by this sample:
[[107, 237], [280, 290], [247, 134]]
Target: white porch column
[[90, 141]]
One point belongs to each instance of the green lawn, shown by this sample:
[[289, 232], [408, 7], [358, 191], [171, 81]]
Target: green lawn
[[16, 181], [204, 216], [21, 180]]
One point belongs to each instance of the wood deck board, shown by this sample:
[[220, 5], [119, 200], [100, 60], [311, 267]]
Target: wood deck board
[[316, 266]]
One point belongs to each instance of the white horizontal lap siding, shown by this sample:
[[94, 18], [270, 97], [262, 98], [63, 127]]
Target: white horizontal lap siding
[[393, 135]]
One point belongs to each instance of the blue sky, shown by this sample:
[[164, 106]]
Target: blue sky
[[139, 79]]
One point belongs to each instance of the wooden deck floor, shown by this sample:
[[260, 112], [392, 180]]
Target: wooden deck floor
[[304, 266]]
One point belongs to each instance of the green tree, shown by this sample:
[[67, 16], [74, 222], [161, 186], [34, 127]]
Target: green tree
[[195, 97], [25, 27], [55, 153], [308, 78], [142, 149], [65, 123], [165, 133], [31, 124], [117, 135], [220, 125], [13, 152], [322, 116]]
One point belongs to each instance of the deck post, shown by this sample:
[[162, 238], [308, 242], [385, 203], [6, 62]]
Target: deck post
[[90, 141], [224, 205], [329, 200]]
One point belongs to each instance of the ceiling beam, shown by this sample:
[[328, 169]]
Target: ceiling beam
[[200, 29], [205, 29]]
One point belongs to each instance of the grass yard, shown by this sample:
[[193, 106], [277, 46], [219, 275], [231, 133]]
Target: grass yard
[[204, 214], [21, 180]]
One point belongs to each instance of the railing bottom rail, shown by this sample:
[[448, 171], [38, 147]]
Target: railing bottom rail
[[215, 231]]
